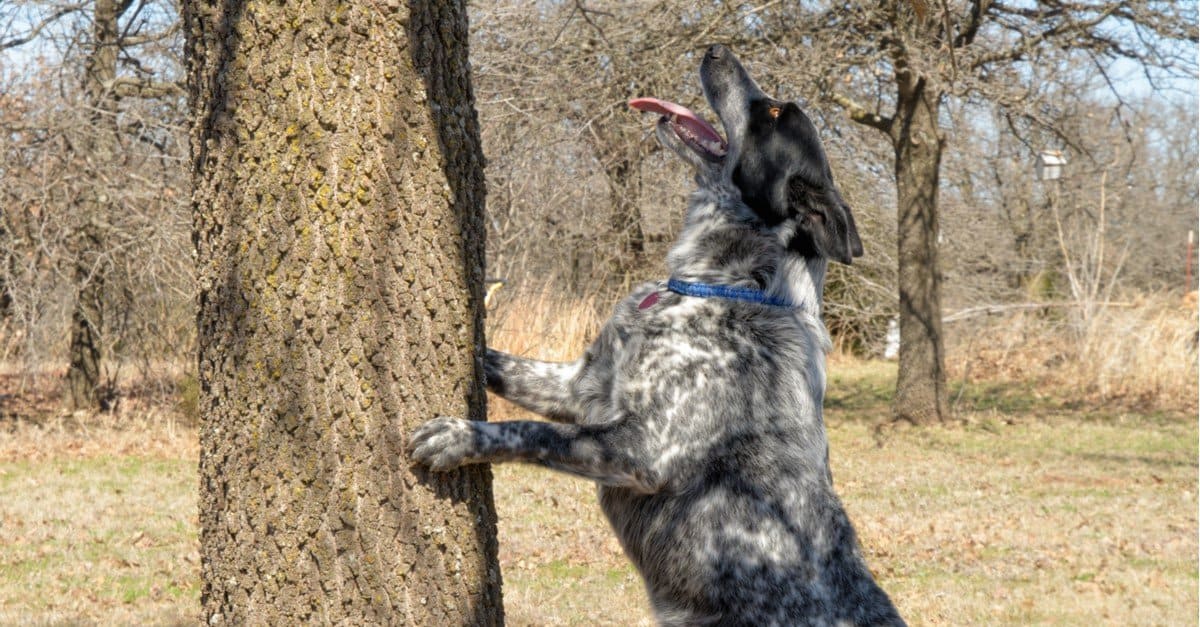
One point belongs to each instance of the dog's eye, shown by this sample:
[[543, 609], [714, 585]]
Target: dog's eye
[[774, 112]]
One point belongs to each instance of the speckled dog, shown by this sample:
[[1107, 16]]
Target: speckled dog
[[698, 408]]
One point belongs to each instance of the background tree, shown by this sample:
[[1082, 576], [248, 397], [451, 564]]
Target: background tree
[[103, 89], [894, 66], [83, 385], [338, 203], [552, 84], [93, 190], [533, 65]]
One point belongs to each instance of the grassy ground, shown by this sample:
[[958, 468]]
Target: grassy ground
[[1028, 512], [98, 522]]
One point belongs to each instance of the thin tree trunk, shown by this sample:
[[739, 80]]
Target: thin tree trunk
[[84, 387], [339, 225], [921, 383], [7, 272], [83, 383], [625, 187], [624, 182]]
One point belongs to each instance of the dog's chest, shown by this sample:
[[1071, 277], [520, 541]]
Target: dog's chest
[[655, 337]]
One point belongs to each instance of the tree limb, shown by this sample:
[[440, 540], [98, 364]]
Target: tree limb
[[1029, 42], [40, 26], [859, 114], [967, 35], [127, 87], [139, 40]]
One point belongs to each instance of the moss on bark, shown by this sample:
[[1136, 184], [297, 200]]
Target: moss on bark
[[338, 222]]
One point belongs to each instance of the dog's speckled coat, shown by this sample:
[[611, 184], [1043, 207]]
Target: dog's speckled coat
[[700, 418]]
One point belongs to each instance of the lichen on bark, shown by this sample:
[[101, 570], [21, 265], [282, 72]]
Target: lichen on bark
[[338, 222]]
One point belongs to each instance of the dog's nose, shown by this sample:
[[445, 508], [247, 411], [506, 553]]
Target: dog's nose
[[715, 51]]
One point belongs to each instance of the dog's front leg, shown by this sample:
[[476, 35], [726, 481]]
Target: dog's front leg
[[542, 387], [603, 453]]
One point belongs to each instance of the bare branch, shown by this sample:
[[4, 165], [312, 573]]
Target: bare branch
[[967, 35], [58, 13], [128, 87], [129, 41], [1031, 41], [859, 114]]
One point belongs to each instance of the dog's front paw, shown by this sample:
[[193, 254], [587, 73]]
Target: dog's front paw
[[443, 443]]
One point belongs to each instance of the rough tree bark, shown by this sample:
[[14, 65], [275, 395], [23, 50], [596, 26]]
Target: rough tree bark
[[338, 220], [921, 381]]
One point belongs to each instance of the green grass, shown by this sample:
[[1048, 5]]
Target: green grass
[[107, 539], [1025, 511]]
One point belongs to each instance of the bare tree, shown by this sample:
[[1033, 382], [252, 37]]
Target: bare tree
[[339, 223], [103, 89], [894, 65], [565, 76], [1123, 156], [93, 189], [582, 198]]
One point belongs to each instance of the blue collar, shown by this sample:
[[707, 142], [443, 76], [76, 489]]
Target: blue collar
[[749, 295]]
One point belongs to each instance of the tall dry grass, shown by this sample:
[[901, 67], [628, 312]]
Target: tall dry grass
[[1141, 353], [545, 325]]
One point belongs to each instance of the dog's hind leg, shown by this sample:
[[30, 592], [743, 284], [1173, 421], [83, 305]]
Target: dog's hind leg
[[608, 454], [543, 387]]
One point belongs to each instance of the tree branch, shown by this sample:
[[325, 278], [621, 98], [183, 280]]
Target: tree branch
[[40, 26], [859, 114], [1029, 42], [126, 87], [967, 35], [139, 40]]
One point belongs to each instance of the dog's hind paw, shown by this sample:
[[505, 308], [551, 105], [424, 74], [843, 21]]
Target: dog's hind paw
[[443, 443]]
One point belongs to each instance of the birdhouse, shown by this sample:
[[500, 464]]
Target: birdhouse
[[1050, 164]]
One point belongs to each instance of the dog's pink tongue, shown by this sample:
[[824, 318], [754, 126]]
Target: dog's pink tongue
[[680, 115]]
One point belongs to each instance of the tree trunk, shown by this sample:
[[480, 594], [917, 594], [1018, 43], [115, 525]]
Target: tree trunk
[[339, 228], [624, 183], [7, 272], [83, 384], [921, 382], [84, 387]]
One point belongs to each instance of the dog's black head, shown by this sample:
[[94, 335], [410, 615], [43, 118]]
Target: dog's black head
[[772, 154]]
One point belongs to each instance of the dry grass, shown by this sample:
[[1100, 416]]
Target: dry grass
[[98, 521], [1011, 519], [545, 325], [1141, 355], [1035, 515], [1040, 507], [1031, 511], [1138, 354]]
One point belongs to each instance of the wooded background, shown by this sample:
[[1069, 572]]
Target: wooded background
[[97, 282], [334, 301]]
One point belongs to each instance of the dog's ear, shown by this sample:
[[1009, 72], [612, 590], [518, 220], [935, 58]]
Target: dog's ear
[[825, 225], [856, 247]]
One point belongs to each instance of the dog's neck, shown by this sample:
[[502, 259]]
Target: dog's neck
[[723, 243], [800, 280]]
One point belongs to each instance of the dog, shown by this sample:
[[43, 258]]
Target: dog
[[697, 410]]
